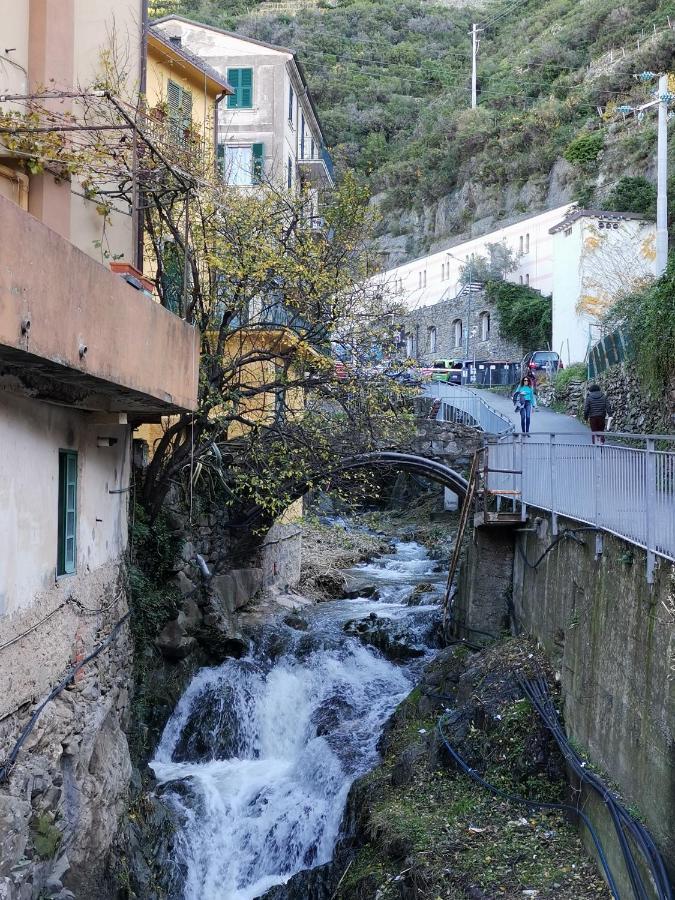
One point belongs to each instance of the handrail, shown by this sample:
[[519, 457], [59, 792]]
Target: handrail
[[459, 403], [623, 490]]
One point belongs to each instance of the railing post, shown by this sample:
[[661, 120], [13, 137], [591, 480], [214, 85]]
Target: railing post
[[551, 481], [650, 507], [523, 504]]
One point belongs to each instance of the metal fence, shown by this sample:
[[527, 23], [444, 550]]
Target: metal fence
[[625, 486], [608, 351], [467, 408]]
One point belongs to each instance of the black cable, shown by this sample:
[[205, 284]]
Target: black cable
[[565, 534], [55, 691], [537, 692], [534, 804]]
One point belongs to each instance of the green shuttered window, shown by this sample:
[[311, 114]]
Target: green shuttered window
[[242, 82], [67, 539], [179, 102]]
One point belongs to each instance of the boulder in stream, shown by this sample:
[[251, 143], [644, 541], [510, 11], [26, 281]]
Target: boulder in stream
[[386, 636]]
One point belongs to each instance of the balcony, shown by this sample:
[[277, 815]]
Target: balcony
[[74, 333], [319, 168]]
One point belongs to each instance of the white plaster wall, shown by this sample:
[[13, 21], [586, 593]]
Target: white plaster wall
[[102, 26], [14, 18], [537, 263], [31, 435], [592, 266], [570, 332]]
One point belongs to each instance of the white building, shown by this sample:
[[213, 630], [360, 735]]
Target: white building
[[597, 256], [269, 128], [432, 278], [583, 258]]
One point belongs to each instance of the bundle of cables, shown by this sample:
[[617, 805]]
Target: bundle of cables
[[537, 692]]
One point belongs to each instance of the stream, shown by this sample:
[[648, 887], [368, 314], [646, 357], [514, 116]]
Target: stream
[[260, 752]]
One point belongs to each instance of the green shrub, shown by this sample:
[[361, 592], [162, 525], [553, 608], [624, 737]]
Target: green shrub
[[584, 150], [633, 194], [648, 317], [576, 372], [524, 314]]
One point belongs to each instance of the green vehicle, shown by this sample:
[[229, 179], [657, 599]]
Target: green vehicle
[[447, 370]]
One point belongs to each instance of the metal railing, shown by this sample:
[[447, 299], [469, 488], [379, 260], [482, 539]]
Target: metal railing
[[467, 408], [625, 486]]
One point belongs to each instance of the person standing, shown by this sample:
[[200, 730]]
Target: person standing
[[525, 400], [596, 410]]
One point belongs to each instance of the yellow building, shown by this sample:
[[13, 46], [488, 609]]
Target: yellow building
[[186, 88]]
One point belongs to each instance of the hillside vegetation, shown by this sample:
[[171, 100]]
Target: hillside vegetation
[[392, 83]]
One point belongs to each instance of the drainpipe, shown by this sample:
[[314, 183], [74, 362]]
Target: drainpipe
[[142, 84]]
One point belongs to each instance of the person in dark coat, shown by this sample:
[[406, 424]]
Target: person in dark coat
[[596, 410]]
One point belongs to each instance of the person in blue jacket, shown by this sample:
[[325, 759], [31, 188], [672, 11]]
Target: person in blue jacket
[[524, 400]]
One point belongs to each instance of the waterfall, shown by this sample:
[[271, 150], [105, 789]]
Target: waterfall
[[260, 752]]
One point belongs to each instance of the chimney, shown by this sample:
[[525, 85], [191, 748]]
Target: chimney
[[176, 40]]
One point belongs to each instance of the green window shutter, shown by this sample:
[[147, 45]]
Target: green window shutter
[[67, 531], [220, 160], [233, 76], [257, 151], [242, 82], [173, 100], [246, 99], [186, 108]]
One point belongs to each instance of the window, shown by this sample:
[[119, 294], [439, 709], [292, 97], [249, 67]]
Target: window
[[241, 164], [67, 532], [457, 331], [419, 280], [302, 136], [521, 243], [527, 279], [568, 232], [425, 278], [484, 326], [410, 349], [289, 177], [179, 103], [432, 339], [442, 271], [242, 82], [291, 97], [527, 243], [521, 279]]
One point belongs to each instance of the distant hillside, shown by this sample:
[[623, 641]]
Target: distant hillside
[[392, 83]]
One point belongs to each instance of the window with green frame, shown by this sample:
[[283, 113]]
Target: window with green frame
[[242, 82], [66, 563]]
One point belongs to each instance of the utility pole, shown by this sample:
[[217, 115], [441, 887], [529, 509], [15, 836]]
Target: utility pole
[[662, 179], [663, 99], [475, 44]]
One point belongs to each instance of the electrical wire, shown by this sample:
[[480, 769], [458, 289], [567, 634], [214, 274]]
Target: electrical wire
[[536, 690], [7, 766], [533, 804]]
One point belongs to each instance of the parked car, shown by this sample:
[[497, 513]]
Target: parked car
[[447, 370], [541, 361]]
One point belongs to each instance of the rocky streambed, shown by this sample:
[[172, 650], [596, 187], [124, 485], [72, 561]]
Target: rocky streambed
[[257, 761]]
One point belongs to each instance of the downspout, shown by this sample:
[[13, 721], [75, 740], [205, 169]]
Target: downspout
[[143, 83]]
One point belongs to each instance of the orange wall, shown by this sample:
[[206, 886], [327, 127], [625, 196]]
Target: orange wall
[[71, 301]]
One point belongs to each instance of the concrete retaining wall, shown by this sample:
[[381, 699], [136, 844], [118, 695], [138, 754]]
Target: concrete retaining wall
[[611, 640]]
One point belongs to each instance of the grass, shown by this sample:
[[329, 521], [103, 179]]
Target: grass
[[441, 836]]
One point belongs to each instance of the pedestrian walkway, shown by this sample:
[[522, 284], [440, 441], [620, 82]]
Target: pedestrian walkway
[[625, 486], [543, 420]]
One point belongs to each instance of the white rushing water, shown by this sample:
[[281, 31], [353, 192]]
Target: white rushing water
[[260, 753]]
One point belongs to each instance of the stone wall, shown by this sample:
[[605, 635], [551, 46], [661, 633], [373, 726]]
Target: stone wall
[[442, 317], [633, 408], [609, 637], [60, 808]]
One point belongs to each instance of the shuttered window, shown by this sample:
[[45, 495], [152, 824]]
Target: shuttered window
[[242, 82], [179, 102], [67, 511], [258, 151]]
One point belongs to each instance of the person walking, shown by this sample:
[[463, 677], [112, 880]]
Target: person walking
[[524, 400], [596, 410]]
